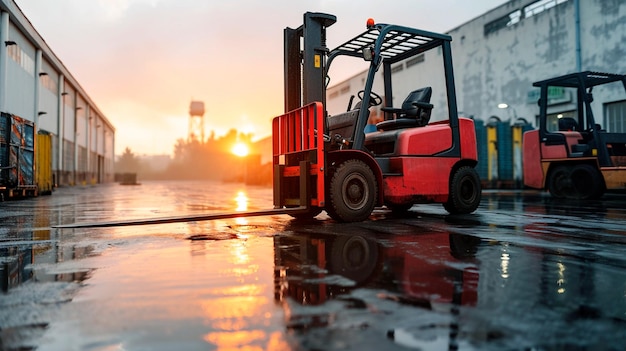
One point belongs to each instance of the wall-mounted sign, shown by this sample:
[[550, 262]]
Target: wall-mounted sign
[[556, 95]]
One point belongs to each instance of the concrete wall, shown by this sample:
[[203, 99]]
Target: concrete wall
[[35, 85], [498, 56]]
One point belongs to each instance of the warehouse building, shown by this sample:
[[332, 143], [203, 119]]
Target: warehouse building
[[498, 56], [38, 91]]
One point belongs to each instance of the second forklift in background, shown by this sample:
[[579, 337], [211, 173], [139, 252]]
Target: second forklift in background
[[571, 154], [327, 162]]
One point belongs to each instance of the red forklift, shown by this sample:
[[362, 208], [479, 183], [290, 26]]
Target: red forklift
[[327, 162], [570, 154]]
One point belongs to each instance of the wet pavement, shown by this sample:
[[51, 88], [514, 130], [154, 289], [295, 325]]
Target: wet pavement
[[525, 272]]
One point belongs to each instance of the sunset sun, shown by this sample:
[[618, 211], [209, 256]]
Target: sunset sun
[[240, 149]]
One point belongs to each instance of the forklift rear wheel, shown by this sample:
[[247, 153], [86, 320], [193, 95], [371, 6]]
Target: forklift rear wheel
[[352, 192], [465, 191], [587, 182]]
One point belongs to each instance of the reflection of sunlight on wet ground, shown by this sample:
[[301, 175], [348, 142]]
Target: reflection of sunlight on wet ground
[[153, 199], [242, 201], [148, 283], [226, 300], [240, 253], [224, 199], [242, 205], [241, 339]]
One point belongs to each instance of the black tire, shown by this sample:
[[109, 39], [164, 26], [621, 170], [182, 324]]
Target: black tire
[[465, 191], [352, 192], [560, 182], [463, 246], [354, 257], [586, 182]]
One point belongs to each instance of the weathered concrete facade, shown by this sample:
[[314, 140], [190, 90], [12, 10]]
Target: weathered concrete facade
[[35, 85], [498, 56]]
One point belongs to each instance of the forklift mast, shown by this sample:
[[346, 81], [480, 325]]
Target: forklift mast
[[305, 72]]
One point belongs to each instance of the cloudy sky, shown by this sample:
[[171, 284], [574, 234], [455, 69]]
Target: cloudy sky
[[143, 61]]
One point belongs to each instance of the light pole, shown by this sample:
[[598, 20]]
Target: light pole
[[505, 106]]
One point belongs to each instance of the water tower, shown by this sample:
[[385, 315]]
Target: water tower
[[196, 122]]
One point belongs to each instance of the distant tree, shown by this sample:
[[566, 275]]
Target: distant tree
[[211, 159], [128, 162]]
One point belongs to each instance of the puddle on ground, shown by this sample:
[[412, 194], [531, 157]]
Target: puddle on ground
[[516, 275]]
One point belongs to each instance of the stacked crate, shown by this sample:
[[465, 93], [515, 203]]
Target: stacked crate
[[17, 156]]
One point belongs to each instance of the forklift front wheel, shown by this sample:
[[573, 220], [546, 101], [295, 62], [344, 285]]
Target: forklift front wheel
[[465, 191], [560, 182], [352, 192]]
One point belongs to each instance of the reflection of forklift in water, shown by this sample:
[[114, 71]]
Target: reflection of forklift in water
[[418, 269]]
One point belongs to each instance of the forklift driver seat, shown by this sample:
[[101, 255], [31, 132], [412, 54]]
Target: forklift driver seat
[[568, 124], [415, 111]]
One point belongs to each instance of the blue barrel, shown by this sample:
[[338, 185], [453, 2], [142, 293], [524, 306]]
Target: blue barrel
[[505, 151], [481, 141]]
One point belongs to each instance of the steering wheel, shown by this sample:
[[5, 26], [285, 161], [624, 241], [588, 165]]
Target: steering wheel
[[375, 99]]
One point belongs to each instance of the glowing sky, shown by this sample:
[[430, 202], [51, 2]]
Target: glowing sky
[[143, 61]]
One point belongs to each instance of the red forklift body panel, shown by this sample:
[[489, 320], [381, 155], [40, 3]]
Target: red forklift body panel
[[422, 176], [469, 151], [429, 140], [533, 173], [418, 180]]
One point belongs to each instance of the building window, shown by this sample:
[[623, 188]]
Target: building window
[[21, 58], [540, 6], [615, 117], [516, 16], [397, 68], [503, 22], [49, 83], [415, 60], [15, 53]]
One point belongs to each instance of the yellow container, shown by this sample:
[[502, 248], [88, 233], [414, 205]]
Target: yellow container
[[492, 153], [43, 166]]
